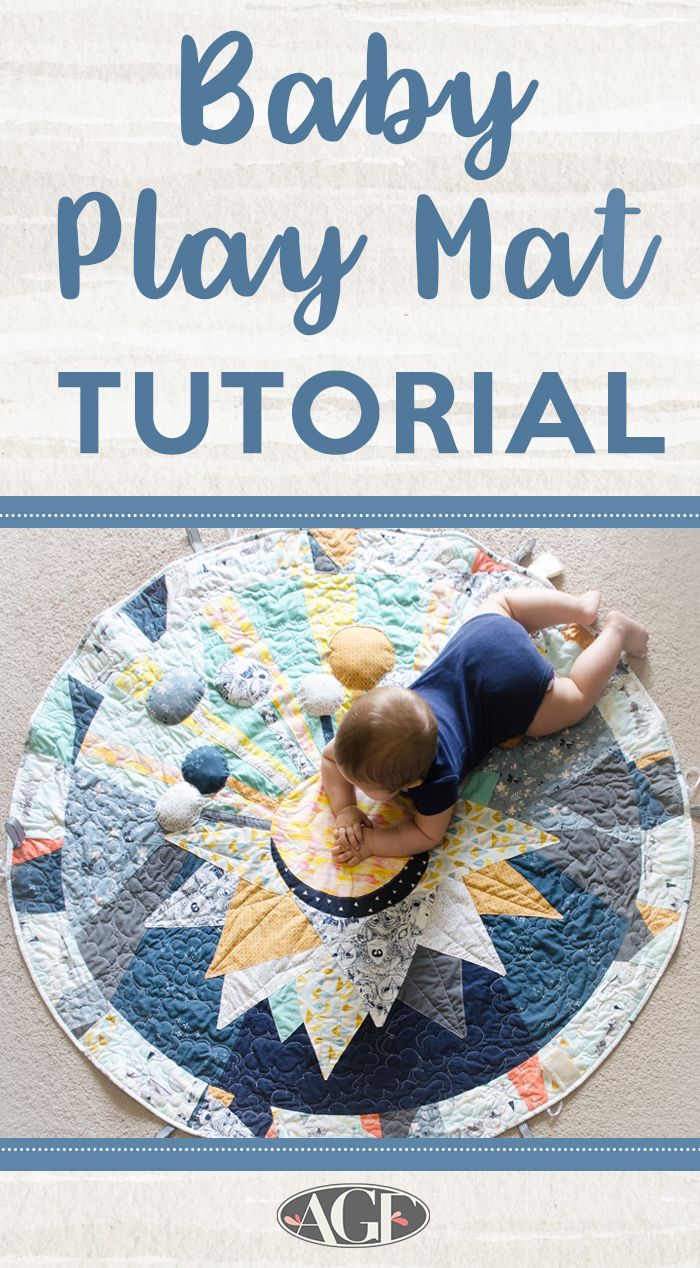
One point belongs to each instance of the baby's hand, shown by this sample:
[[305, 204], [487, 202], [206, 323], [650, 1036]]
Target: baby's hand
[[349, 824], [350, 852]]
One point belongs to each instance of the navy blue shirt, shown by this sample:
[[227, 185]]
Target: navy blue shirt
[[485, 687]]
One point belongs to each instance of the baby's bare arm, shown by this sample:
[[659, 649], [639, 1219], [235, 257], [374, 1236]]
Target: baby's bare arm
[[423, 833], [338, 790]]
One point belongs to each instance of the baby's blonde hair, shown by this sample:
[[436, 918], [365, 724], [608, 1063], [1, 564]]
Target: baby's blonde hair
[[387, 738]]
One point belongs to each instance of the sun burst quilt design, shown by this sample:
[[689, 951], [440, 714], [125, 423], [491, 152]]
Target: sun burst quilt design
[[175, 895]]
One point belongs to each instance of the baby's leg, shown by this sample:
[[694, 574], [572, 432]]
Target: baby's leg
[[572, 698], [536, 607]]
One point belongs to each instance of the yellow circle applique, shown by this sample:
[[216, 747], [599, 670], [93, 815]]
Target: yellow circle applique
[[360, 655]]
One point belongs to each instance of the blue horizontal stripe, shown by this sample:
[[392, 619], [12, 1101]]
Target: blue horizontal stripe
[[396, 511], [196, 1154]]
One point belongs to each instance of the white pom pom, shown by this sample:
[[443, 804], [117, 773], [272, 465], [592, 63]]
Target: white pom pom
[[320, 695], [179, 807]]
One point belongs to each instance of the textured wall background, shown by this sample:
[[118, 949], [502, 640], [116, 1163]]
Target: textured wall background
[[91, 101], [476, 1221]]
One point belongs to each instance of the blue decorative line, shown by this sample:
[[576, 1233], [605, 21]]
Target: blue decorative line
[[362, 904], [175, 1154], [230, 512]]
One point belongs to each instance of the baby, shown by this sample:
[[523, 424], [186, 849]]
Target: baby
[[488, 684]]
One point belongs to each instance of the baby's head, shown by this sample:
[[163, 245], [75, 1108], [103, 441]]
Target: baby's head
[[386, 742]]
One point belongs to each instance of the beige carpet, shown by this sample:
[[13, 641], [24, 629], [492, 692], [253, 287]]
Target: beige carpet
[[55, 581]]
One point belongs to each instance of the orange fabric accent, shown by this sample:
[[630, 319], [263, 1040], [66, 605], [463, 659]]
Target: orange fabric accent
[[499, 890], [651, 758], [484, 563], [33, 847], [528, 1080], [359, 655], [372, 1124], [577, 634], [657, 919], [250, 794], [339, 544], [517, 739], [225, 1097]]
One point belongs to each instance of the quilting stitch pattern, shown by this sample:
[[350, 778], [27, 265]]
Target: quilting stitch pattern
[[221, 968]]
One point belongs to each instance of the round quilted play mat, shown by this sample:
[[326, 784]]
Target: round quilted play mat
[[175, 897]]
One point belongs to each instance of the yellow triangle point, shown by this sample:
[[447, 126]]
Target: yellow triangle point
[[260, 926], [499, 890], [657, 919]]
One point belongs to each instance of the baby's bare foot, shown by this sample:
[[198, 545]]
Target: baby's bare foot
[[589, 602], [636, 636]]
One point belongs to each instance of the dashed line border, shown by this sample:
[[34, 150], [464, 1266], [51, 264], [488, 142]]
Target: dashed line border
[[300, 509], [164, 1156], [481, 517], [369, 1149]]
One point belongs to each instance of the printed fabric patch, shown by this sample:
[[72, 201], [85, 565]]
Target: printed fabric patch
[[175, 892]]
